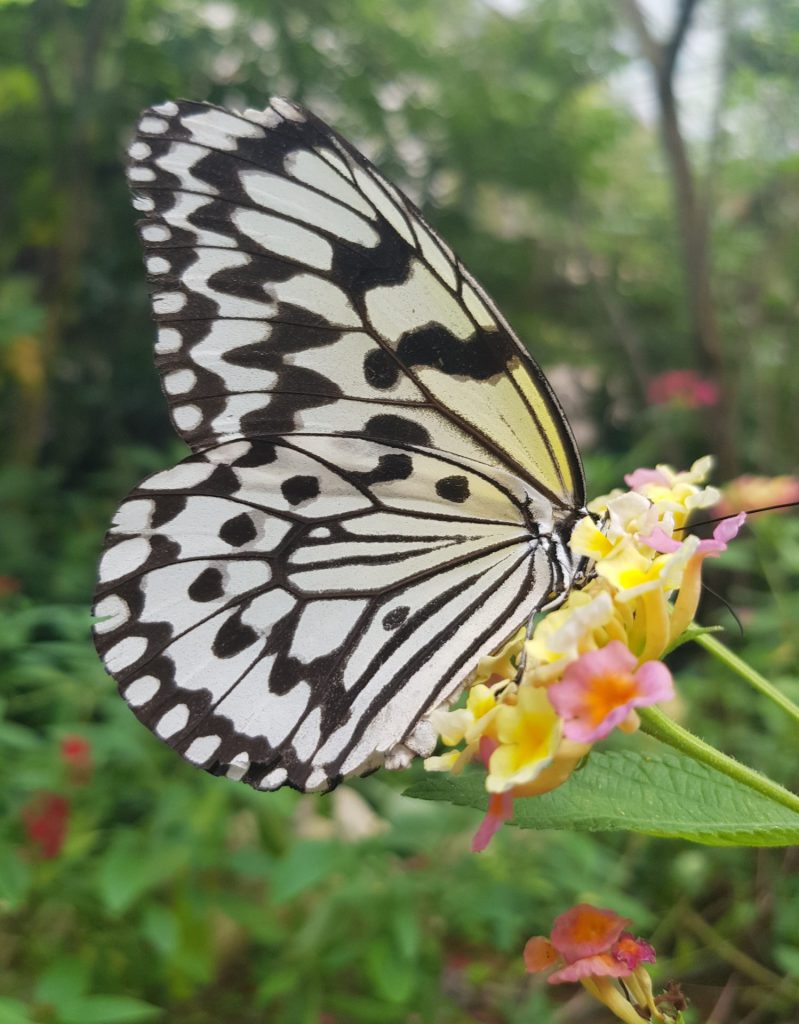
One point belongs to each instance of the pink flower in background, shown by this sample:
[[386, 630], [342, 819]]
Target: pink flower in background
[[76, 755], [45, 819], [682, 387], [599, 690], [749, 492], [589, 944]]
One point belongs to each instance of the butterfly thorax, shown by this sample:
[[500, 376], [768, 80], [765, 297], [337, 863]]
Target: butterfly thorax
[[569, 570]]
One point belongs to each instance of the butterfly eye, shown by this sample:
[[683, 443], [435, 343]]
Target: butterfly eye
[[374, 452]]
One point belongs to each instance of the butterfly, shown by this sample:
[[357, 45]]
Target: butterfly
[[382, 483]]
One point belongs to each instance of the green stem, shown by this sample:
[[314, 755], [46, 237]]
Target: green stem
[[665, 729], [726, 656]]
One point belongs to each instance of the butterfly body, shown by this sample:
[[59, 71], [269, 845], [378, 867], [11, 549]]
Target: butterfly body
[[382, 486]]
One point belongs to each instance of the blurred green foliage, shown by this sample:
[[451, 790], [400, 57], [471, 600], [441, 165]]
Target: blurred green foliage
[[186, 898]]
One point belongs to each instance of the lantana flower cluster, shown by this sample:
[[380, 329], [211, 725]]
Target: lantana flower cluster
[[535, 709], [591, 945]]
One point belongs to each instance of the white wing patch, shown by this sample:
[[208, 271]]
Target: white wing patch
[[293, 200], [395, 310], [281, 237]]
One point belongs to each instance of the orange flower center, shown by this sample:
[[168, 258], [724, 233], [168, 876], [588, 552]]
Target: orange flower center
[[608, 691], [589, 926]]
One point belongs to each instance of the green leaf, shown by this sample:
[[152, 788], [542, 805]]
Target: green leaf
[[691, 633], [106, 1010], [13, 1011], [666, 795], [787, 958], [161, 929], [393, 977], [131, 868], [274, 985], [308, 864], [65, 980], [15, 878]]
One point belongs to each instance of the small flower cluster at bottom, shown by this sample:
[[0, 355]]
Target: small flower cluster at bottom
[[593, 661], [590, 945]]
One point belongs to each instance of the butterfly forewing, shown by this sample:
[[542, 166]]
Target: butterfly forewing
[[379, 463], [298, 291]]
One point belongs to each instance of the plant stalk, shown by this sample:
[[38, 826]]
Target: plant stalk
[[731, 660], [655, 723]]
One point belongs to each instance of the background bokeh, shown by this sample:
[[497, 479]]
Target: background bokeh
[[624, 179]]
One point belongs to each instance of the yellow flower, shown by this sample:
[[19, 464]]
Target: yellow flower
[[442, 763], [503, 662], [633, 573], [588, 540], [528, 733], [557, 637], [678, 493], [467, 723]]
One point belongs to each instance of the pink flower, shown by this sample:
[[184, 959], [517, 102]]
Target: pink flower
[[711, 547], [633, 952], [642, 477], [587, 942], [45, 819], [500, 810], [500, 805], [598, 690], [682, 387]]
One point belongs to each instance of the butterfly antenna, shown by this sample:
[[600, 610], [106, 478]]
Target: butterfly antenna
[[727, 605], [749, 512]]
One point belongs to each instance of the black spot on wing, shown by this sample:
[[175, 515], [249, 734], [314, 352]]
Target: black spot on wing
[[238, 531], [279, 413], [395, 618], [453, 488], [261, 453], [478, 359], [300, 488], [223, 480], [167, 506], [388, 427], [208, 586], [233, 637], [395, 466], [380, 369]]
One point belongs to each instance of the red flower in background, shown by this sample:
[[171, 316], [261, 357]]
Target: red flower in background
[[682, 387], [45, 819], [76, 754]]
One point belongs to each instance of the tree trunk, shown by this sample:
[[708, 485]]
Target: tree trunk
[[694, 229]]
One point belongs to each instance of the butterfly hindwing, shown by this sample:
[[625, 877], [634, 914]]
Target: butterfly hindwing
[[273, 617]]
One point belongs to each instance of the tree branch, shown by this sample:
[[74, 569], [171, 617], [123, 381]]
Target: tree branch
[[662, 56], [672, 47]]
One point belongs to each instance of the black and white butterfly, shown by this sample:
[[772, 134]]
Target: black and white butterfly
[[382, 483]]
